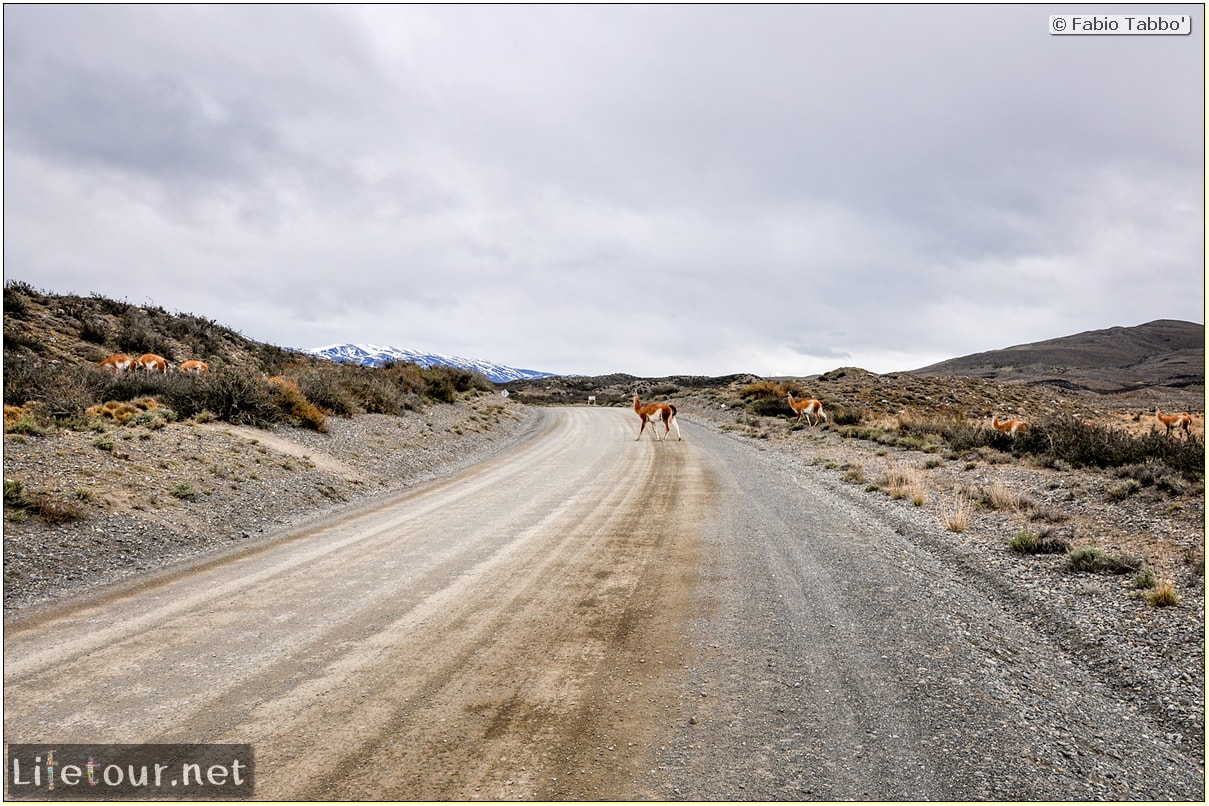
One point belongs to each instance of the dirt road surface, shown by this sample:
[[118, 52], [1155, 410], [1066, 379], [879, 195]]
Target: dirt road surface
[[587, 616]]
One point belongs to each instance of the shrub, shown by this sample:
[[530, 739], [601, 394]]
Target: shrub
[[1145, 578], [137, 335], [1092, 560], [235, 396], [61, 392], [842, 415], [14, 493], [94, 331], [1044, 542], [26, 420], [1063, 442], [185, 491], [294, 405], [48, 509], [1082, 444], [16, 299], [54, 511], [1119, 492], [328, 388]]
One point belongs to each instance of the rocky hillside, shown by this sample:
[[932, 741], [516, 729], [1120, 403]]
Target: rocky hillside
[[75, 330], [1163, 353]]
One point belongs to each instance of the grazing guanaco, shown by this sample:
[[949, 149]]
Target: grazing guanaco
[[195, 366], [1183, 421], [654, 412], [150, 362], [118, 362], [1012, 427], [807, 408]]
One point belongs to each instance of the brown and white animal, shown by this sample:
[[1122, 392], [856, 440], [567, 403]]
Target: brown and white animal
[[118, 362], [653, 413], [808, 408], [150, 362], [195, 366], [1183, 421], [1012, 427]]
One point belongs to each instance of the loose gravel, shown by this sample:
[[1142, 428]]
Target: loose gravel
[[149, 498], [1152, 657]]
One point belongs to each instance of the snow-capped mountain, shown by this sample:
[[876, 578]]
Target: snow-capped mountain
[[371, 355]]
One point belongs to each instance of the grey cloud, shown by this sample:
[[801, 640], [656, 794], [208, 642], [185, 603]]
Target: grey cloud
[[575, 183]]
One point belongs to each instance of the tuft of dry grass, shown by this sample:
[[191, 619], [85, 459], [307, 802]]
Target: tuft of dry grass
[[999, 497], [904, 483], [957, 517], [1163, 595]]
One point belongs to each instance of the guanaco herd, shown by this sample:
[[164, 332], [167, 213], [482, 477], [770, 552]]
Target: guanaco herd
[[812, 410], [649, 413], [150, 362]]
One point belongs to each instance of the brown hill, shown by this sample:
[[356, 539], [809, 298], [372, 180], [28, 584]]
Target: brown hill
[[74, 330], [1164, 353]]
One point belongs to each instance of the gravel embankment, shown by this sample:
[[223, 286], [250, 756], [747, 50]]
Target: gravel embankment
[[148, 498], [1153, 656]]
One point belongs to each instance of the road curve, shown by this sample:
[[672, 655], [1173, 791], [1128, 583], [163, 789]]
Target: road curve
[[587, 616], [443, 644]]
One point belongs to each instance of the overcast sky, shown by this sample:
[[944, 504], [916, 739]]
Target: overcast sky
[[781, 190]]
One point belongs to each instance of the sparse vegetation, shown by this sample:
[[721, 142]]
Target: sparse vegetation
[[53, 383], [47, 508]]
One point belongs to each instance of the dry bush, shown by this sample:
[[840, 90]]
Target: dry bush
[[123, 412], [294, 405]]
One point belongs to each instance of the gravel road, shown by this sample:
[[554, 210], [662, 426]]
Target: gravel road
[[585, 616]]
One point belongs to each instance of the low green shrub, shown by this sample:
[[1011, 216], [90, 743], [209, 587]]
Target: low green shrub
[[1093, 560], [48, 509], [1044, 542]]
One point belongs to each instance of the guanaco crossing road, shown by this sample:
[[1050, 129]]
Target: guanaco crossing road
[[587, 616]]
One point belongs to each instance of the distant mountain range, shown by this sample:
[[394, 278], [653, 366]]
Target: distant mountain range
[[371, 355]]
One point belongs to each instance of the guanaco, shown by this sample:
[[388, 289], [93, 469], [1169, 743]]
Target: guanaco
[[654, 412], [118, 362], [1012, 427], [807, 408], [1183, 421]]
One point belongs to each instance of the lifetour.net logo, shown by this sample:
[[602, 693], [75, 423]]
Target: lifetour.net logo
[[128, 771]]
